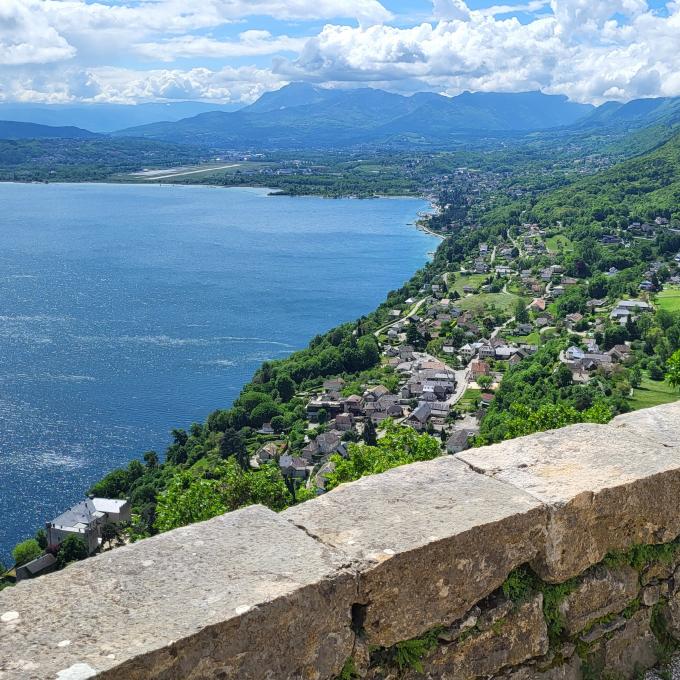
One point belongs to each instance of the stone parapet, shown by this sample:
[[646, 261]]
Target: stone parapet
[[534, 558]]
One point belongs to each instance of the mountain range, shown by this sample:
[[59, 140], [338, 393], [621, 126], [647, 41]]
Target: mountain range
[[303, 116], [105, 118], [11, 129]]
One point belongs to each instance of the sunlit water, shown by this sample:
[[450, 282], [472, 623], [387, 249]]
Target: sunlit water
[[126, 311]]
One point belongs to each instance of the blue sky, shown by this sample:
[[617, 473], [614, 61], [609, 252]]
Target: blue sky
[[57, 51]]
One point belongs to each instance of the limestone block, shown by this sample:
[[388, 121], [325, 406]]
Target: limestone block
[[661, 423], [606, 489], [632, 649], [571, 670], [242, 596], [671, 614], [521, 636], [430, 540], [600, 592]]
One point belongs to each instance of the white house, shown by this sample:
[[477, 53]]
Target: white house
[[86, 519]]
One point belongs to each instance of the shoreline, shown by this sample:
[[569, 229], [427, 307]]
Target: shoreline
[[409, 223]]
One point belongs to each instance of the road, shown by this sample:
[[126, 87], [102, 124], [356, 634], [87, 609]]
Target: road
[[413, 312]]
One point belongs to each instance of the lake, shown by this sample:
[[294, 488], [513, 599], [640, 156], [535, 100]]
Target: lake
[[128, 310]]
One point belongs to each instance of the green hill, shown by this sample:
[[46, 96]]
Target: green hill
[[641, 188]]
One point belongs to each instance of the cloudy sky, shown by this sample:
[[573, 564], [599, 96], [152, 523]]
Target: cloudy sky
[[233, 50]]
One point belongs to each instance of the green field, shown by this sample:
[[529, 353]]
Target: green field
[[463, 280], [503, 301], [669, 299], [653, 393], [533, 339], [559, 244], [469, 400]]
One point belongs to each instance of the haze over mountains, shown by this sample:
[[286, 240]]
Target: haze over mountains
[[105, 118], [303, 116]]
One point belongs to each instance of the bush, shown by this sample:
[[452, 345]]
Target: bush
[[26, 551]]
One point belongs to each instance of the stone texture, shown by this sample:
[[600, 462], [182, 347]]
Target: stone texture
[[671, 614], [242, 596], [601, 591], [606, 489], [571, 670], [632, 649], [661, 423], [522, 635], [430, 540]]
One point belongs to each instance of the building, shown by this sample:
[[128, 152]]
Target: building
[[86, 519]]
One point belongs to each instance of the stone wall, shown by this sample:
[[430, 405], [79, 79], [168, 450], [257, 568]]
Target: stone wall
[[553, 557]]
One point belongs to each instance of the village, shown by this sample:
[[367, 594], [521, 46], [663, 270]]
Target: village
[[446, 351]]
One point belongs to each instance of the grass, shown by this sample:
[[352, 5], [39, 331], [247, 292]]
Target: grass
[[469, 400], [504, 302], [559, 244], [669, 299], [475, 280], [653, 393], [532, 339]]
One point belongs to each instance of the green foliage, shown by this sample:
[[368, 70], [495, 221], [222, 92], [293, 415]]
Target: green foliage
[[349, 670], [673, 366], [641, 556], [26, 551], [225, 487], [72, 549], [410, 653], [399, 446], [519, 585]]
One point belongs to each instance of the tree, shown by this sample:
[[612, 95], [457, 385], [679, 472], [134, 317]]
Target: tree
[[399, 446], [232, 445], [285, 387], [72, 549], [151, 460], [41, 537], [109, 533], [26, 551], [673, 374], [485, 381], [370, 436], [521, 312]]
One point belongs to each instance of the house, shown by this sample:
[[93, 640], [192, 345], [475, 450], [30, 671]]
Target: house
[[41, 565], [418, 419], [486, 351], [574, 319], [344, 422], [293, 467], [267, 452], [647, 286], [620, 353], [487, 399], [374, 393], [354, 404], [85, 519], [459, 441], [479, 368], [595, 304], [266, 429], [334, 385], [524, 329], [574, 354], [538, 305], [557, 291], [469, 290]]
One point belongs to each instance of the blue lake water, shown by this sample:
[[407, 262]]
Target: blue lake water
[[126, 311]]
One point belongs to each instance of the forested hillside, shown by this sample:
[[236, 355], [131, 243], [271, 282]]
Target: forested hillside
[[640, 188]]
